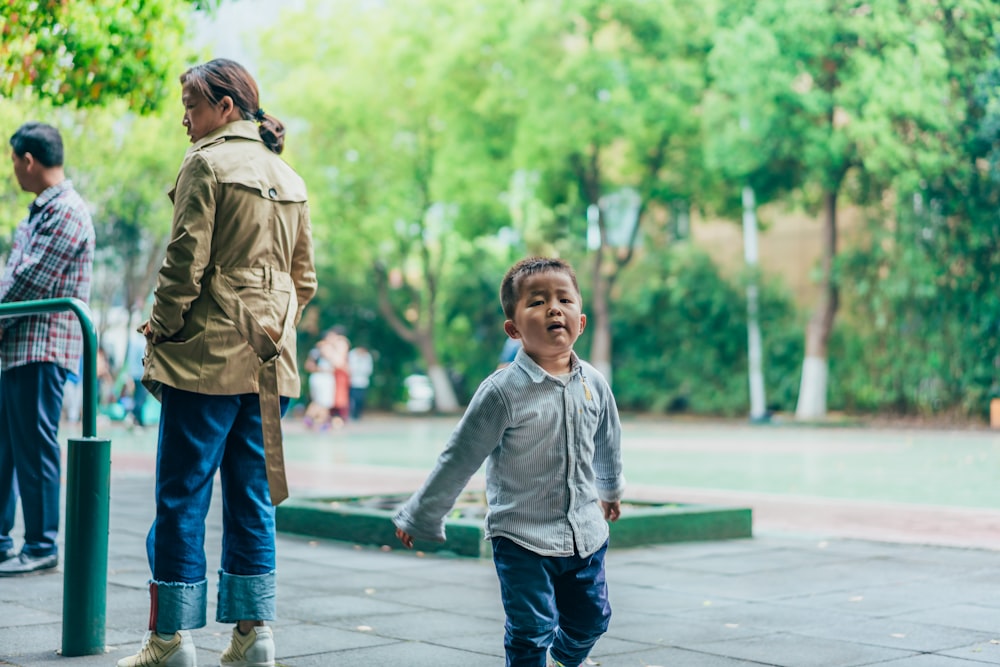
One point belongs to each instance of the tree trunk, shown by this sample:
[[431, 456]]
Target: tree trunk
[[422, 337], [812, 391], [444, 393]]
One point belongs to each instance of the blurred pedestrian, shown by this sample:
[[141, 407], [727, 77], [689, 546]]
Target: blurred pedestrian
[[221, 358], [340, 350], [52, 257], [361, 366], [322, 383], [134, 360]]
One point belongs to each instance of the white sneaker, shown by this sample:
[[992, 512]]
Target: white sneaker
[[177, 651], [254, 649]]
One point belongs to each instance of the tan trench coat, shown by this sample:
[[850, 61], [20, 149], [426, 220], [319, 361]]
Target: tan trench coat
[[238, 272]]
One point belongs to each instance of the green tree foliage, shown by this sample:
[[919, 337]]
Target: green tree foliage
[[925, 307], [89, 52], [402, 154], [686, 327], [605, 97], [857, 90], [132, 212], [427, 131]]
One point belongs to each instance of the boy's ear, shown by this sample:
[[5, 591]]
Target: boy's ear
[[508, 326], [583, 322]]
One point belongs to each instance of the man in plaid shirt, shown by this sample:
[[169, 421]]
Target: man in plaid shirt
[[52, 257]]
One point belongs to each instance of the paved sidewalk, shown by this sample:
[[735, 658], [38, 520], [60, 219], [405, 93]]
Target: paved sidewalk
[[777, 599]]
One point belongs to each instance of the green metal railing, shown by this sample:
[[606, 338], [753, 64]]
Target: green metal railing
[[88, 493]]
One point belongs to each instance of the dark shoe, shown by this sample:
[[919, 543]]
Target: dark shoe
[[25, 564], [7, 555]]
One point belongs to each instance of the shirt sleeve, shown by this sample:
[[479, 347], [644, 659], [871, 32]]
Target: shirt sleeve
[[179, 281], [608, 473], [51, 247], [476, 436]]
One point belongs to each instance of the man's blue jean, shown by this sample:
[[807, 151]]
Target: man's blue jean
[[30, 404], [199, 435], [552, 603]]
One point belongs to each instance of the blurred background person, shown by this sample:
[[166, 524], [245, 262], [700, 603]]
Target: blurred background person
[[361, 366]]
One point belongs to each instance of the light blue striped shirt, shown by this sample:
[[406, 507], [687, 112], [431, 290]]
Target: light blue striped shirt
[[552, 451]]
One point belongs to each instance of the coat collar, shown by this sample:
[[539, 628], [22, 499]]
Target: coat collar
[[239, 129]]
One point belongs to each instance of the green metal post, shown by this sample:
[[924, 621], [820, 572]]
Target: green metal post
[[85, 566], [88, 493]]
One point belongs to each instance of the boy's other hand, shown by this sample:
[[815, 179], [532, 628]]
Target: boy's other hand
[[405, 538], [611, 511]]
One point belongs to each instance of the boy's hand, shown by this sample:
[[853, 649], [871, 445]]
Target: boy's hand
[[405, 538], [611, 511]]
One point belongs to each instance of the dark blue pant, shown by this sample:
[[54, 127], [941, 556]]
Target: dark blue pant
[[357, 399], [199, 435], [552, 602], [30, 404]]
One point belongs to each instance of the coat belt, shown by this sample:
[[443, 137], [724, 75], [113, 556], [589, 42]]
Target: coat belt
[[222, 286]]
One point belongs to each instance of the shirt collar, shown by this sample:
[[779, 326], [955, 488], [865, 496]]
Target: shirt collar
[[536, 372], [48, 194], [238, 129]]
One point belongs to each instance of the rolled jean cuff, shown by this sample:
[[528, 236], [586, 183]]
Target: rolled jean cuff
[[180, 606], [246, 597]]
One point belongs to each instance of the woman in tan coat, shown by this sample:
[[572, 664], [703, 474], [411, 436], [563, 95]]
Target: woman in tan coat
[[221, 358]]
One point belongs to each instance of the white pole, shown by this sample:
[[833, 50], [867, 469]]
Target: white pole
[[758, 406]]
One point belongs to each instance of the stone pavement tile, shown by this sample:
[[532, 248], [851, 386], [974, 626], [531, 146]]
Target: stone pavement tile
[[790, 650], [404, 654], [430, 626], [473, 601], [960, 615], [897, 633], [15, 615], [635, 625], [931, 660], [490, 643], [767, 616], [316, 609], [658, 600], [987, 652], [296, 640], [792, 582], [895, 599], [680, 551], [670, 657], [38, 638], [777, 558]]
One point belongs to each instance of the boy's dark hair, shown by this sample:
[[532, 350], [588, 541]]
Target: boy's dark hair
[[510, 288], [43, 142]]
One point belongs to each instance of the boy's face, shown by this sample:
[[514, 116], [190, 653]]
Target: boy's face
[[547, 316]]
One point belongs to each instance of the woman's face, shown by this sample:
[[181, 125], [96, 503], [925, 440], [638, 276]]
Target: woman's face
[[201, 117]]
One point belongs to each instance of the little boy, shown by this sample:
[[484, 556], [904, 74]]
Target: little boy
[[547, 426]]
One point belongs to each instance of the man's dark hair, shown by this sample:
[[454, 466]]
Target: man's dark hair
[[43, 142], [510, 288]]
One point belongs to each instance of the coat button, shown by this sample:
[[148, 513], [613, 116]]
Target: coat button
[[272, 193]]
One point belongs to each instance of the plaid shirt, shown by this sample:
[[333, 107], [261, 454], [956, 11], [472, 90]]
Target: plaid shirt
[[52, 257]]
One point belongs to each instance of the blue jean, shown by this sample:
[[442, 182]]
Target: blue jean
[[30, 405], [552, 603], [199, 435]]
